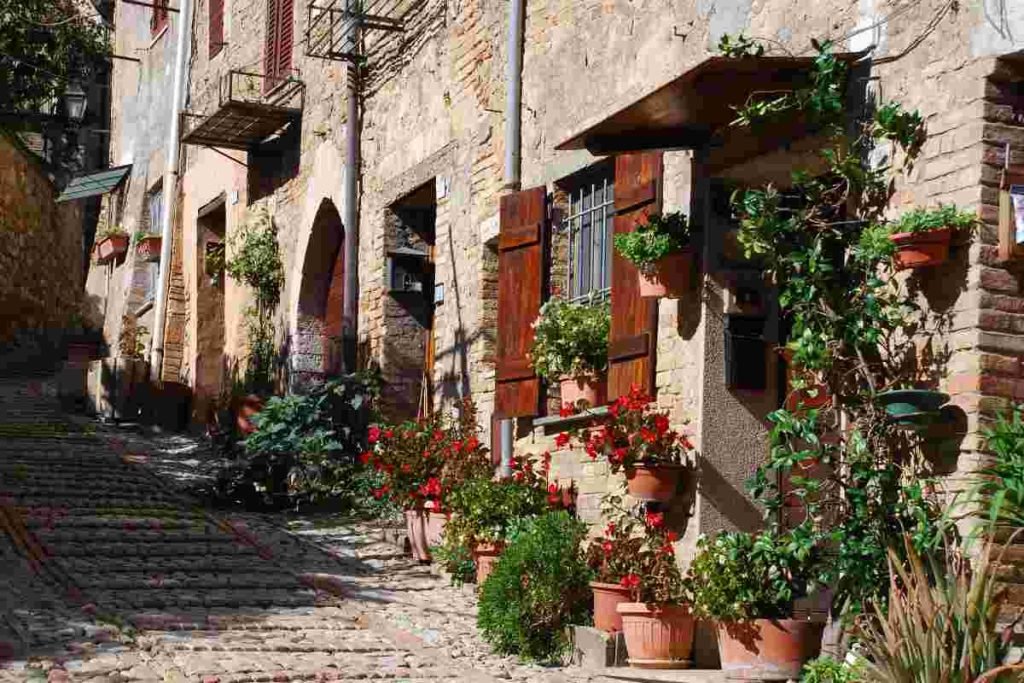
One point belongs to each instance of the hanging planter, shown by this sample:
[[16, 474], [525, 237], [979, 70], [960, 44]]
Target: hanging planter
[[111, 247], [148, 248], [914, 407], [921, 249], [657, 636], [591, 388], [607, 598], [768, 649], [653, 483], [660, 251]]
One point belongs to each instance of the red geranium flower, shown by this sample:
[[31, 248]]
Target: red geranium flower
[[630, 581], [374, 434], [661, 423], [655, 520], [562, 440], [472, 443], [365, 458], [566, 410], [607, 547]]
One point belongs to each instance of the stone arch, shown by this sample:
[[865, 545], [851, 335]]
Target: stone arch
[[317, 350]]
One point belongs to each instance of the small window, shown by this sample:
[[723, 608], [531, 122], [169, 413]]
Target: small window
[[588, 225], [154, 218], [158, 20]]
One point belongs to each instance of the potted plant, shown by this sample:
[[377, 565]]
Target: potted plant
[[637, 440], [748, 583], [147, 245], [660, 250], [423, 461], [921, 236], [482, 511], [654, 605], [912, 406], [111, 244], [570, 346]]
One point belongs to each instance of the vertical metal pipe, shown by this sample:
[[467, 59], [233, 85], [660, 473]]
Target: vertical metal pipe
[[170, 186], [350, 212], [513, 158]]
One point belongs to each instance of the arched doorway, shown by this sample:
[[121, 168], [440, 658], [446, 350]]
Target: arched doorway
[[318, 351]]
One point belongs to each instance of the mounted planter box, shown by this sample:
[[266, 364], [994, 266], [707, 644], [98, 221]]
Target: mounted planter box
[[653, 484], [669, 277], [591, 388], [921, 249], [111, 248], [148, 248]]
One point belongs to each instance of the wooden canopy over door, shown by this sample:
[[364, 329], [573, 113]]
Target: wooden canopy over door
[[522, 263], [633, 339]]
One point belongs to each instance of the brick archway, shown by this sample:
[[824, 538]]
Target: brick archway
[[317, 352]]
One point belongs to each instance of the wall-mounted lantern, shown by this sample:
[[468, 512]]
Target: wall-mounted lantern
[[75, 101]]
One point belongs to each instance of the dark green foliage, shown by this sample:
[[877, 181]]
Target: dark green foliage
[[661, 236], [825, 669], [537, 589], [1001, 490]]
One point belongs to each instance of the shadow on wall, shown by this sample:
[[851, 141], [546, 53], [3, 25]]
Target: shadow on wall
[[274, 163], [730, 502]]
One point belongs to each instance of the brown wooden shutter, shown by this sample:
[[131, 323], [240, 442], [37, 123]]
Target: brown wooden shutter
[[633, 339], [522, 259], [158, 19], [285, 37], [216, 42], [270, 46]]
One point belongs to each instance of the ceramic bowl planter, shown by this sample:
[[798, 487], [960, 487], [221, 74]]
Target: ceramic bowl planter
[[912, 406], [921, 249], [653, 484], [148, 248], [111, 248], [669, 276], [768, 649], [607, 598], [657, 636], [590, 388], [486, 556]]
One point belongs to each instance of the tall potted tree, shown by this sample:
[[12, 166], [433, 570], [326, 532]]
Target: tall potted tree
[[570, 346], [660, 250]]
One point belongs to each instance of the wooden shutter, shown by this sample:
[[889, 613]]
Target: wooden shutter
[[270, 46], [158, 19], [216, 42], [285, 37], [633, 339], [522, 259]]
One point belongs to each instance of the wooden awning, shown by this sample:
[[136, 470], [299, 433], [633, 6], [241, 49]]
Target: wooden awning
[[686, 112]]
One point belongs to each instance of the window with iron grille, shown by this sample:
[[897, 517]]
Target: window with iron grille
[[588, 225]]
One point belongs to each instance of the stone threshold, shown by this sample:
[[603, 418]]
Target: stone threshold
[[627, 675]]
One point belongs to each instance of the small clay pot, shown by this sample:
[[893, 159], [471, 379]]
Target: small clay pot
[[657, 636], [768, 649], [607, 598], [486, 556], [657, 483], [590, 388], [670, 276], [921, 249]]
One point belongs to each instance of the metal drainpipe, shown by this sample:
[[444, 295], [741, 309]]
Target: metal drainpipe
[[350, 218], [513, 159], [170, 187]]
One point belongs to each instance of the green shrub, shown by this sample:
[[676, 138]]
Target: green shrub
[[661, 236], [570, 339], [825, 669], [538, 588], [925, 220], [1001, 491]]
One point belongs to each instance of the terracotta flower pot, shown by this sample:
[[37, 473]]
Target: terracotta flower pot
[[148, 248], [111, 247], [416, 530], [486, 556], [245, 409], [590, 388], [768, 649], [607, 598], [657, 636], [669, 277], [433, 527], [921, 249], [656, 483]]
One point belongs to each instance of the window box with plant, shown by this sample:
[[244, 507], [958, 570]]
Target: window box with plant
[[921, 237], [147, 246], [660, 250], [748, 583], [639, 589], [570, 346], [111, 244], [636, 439], [422, 462]]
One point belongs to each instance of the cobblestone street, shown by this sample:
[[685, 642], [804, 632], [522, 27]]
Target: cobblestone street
[[111, 573]]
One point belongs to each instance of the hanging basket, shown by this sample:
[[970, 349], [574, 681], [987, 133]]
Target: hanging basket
[[148, 248], [921, 249], [111, 248], [669, 277]]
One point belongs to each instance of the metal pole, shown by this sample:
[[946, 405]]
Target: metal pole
[[170, 189], [350, 217]]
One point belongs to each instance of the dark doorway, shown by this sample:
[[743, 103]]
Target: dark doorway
[[211, 374]]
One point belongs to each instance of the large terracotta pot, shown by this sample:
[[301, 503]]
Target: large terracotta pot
[[670, 276], [416, 530], [111, 247], [653, 483], [768, 649], [433, 527], [657, 636], [486, 556], [607, 598], [920, 249], [245, 409], [590, 388]]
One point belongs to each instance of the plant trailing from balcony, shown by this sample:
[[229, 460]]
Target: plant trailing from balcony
[[657, 249], [852, 327], [256, 262], [571, 343]]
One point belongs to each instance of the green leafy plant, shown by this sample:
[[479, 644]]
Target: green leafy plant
[[1000, 490], [636, 551], [825, 669], [740, 46], [570, 339], [110, 231], [926, 220], [941, 621], [661, 236], [738, 575], [537, 589], [131, 341]]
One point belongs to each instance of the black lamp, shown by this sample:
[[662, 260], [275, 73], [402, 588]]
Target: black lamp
[[75, 101]]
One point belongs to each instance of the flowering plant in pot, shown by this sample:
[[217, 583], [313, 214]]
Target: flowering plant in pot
[[570, 345], [111, 243], [660, 251], [749, 583], [422, 462], [920, 237], [147, 245], [639, 588], [638, 440]]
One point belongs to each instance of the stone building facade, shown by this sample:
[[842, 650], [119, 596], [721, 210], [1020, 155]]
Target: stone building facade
[[431, 176]]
